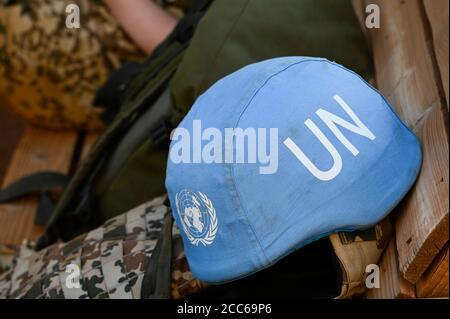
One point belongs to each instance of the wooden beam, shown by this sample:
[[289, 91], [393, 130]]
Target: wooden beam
[[392, 284], [39, 149], [422, 222], [437, 14], [434, 282], [12, 130], [407, 75], [404, 69]]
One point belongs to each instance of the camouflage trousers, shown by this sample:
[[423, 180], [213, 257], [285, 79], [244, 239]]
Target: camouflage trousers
[[111, 260]]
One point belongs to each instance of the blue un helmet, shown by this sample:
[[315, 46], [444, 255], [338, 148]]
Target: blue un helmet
[[279, 154]]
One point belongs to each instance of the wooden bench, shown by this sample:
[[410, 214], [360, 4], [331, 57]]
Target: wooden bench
[[410, 52], [39, 149]]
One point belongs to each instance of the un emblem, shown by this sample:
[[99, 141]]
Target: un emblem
[[198, 216]]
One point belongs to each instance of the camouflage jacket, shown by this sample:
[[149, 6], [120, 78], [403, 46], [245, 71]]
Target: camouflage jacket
[[112, 261], [49, 73]]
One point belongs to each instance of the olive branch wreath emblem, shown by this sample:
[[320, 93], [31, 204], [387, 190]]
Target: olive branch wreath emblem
[[213, 225]]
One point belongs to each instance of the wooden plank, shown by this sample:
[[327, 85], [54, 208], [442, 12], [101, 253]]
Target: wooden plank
[[422, 223], [404, 68], [437, 14], [434, 282], [392, 284], [407, 76], [12, 130], [39, 149]]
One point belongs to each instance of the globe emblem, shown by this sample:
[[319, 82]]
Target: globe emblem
[[197, 216], [193, 219]]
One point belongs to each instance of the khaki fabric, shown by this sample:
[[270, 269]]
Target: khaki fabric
[[355, 251], [235, 33]]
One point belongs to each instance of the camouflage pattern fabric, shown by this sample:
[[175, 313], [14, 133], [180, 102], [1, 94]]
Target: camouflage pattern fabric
[[49, 73], [112, 260], [8, 254]]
